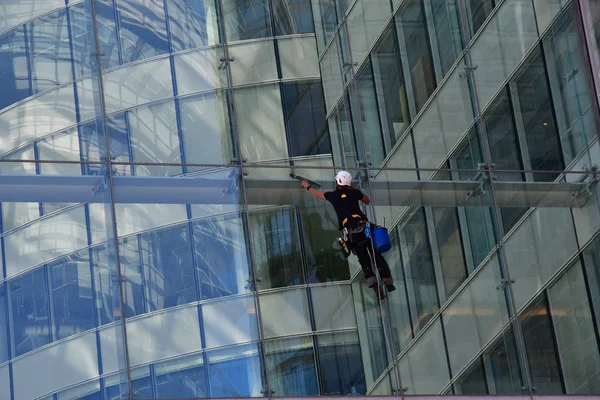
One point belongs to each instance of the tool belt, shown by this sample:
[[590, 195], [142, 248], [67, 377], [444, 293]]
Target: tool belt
[[353, 235]]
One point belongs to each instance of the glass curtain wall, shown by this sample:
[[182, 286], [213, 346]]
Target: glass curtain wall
[[153, 244]]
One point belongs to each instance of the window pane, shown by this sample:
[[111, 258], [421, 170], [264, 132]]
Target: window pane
[[389, 80], [181, 378], [167, 266], [254, 62], [235, 372], [298, 58], [365, 20], [3, 327], [535, 107], [478, 11], [541, 348], [14, 80], [246, 19], [72, 299], [333, 307], [413, 27], [82, 38], [291, 367], [221, 257], [292, 17], [447, 30], [29, 312], [107, 34], [193, 23], [277, 253], [50, 55], [133, 289], [473, 381], [304, 111], [285, 313], [341, 365], [450, 247], [141, 38], [229, 321], [504, 371]]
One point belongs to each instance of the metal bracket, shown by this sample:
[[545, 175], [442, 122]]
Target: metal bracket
[[467, 70], [485, 176], [224, 62], [504, 283], [591, 179]]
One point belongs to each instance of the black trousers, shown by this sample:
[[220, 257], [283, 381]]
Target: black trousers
[[365, 252]]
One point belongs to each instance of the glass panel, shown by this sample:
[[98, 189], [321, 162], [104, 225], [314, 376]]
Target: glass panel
[[365, 21], [541, 348], [447, 31], [473, 380], [422, 368], [235, 372], [5, 382], [498, 50], [291, 367], [477, 315], [50, 55], [205, 129], [260, 123], [298, 58], [137, 84], [14, 14], [538, 248], [16, 214], [229, 321], [182, 377], [134, 218], [389, 81], [450, 248], [193, 23], [412, 27], [254, 62], [4, 345], [14, 80], [284, 313], [107, 34], [545, 11], [292, 17], [163, 335], [304, 111], [333, 307], [154, 139], [29, 312], [142, 38], [63, 146], [87, 391], [246, 19], [576, 339], [502, 366], [199, 71], [331, 71], [83, 41], [134, 296], [534, 110], [341, 364], [72, 296], [222, 259]]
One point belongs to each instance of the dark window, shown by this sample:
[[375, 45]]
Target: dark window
[[246, 19], [504, 366], [14, 68], [193, 23], [293, 17], [3, 326], [184, 383], [478, 11], [341, 367], [304, 111], [473, 381]]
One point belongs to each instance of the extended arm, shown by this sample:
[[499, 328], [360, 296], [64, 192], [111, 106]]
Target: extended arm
[[365, 199], [313, 191]]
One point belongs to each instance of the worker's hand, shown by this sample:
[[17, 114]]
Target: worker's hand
[[305, 184]]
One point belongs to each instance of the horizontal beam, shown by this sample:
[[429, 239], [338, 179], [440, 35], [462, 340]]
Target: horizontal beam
[[207, 190]]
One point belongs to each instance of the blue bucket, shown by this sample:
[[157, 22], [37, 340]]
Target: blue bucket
[[381, 239]]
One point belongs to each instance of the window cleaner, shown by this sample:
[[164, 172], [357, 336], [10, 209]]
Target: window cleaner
[[356, 228]]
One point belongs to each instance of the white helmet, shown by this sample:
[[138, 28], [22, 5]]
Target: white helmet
[[343, 178]]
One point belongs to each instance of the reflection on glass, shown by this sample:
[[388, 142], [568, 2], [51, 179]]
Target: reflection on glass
[[246, 19], [304, 113], [141, 38], [276, 248], [341, 365], [389, 80], [193, 23], [447, 31], [29, 312], [14, 80], [450, 248], [107, 34], [292, 17], [181, 378], [235, 372], [3, 325], [473, 380], [135, 302], [291, 367], [502, 366], [413, 27], [478, 11]]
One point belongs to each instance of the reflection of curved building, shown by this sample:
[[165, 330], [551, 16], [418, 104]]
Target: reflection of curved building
[[239, 291]]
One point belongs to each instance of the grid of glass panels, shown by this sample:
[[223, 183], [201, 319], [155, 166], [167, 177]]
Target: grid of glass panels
[[153, 245]]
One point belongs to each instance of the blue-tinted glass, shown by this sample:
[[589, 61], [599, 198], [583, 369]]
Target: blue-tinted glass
[[82, 37], [105, 277], [93, 145], [185, 382], [50, 53], [107, 35], [293, 17], [72, 300], [120, 147], [168, 270], [143, 29], [304, 111], [246, 19], [3, 326], [341, 369], [221, 257], [447, 30], [14, 68], [133, 290], [291, 367], [193, 23], [29, 312], [142, 389], [235, 372]]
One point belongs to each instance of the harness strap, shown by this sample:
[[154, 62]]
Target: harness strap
[[353, 216]]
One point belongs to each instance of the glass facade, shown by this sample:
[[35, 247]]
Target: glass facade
[[153, 245]]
